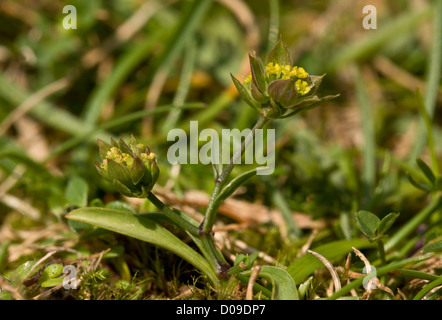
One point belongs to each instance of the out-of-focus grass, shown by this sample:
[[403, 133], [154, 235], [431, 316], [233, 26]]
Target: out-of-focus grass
[[143, 68]]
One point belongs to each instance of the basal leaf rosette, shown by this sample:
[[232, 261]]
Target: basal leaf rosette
[[279, 89], [132, 169]]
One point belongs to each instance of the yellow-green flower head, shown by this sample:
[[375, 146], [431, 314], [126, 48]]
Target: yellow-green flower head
[[132, 169], [277, 88], [276, 71]]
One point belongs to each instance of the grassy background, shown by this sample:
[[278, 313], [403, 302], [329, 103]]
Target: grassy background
[[145, 67]]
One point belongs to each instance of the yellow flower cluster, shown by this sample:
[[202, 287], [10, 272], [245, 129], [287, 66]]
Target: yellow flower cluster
[[116, 155], [248, 79], [286, 72], [302, 87]]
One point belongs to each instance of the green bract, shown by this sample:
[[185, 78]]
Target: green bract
[[279, 89], [132, 169]]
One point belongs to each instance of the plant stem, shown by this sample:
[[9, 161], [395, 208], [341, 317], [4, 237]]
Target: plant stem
[[382, 251], [212, 208], [205, 243], [176, 217]]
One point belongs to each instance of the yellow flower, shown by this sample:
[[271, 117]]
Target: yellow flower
[[302, 87], [301, 73], [248, 79]]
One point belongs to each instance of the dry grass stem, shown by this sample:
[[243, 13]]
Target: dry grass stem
[[331, 269], [252, 280]]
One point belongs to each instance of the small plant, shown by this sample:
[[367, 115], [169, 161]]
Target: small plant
[[29, 273], [374, 228], [276, 90]]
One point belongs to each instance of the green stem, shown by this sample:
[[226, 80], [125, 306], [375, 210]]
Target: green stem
[[212, 208], [176, 217], [382, 251], [205, 243]]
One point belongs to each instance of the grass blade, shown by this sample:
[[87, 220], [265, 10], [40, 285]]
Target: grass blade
[[434, 74], [369, 151], [124, 66]]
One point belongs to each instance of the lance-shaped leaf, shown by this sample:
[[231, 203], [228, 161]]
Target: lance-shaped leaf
[[101, 171], [280, 54], [244, 94], [103, 148], [419, 185], [316, 82], [138, 170], [426, 170], [259, 84], [309, 102], [154, 171], [114, 143], [118, 171], [123, 189], [368, 223], [142, 228], [387, 222], [283, 91], [124, 148], [235, 183]]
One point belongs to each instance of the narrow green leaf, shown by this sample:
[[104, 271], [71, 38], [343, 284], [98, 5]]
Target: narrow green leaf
[[235, 183], [138, 170], [368, 223], [426, 170], [418, 185], [244, 93], [387, 222], [103, 148], [428, 288], [280, 54], [118, 171], [258, 76], [305, 288], [142, 228], [433, 247]]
